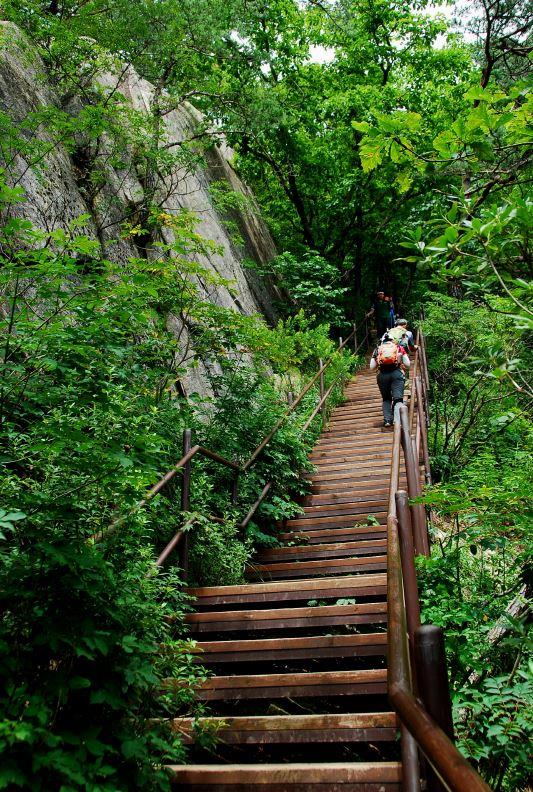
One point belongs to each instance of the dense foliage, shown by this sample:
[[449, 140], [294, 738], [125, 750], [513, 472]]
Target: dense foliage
[[477, 583], [385, 147], [90, 417]]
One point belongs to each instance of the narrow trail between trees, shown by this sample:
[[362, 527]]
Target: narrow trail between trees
[[299, 691]]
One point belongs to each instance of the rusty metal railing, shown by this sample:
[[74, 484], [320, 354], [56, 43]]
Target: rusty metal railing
[[180, 540], [417, 677]]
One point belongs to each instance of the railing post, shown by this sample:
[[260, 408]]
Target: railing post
[[410, 765], [423, 430], [433, 686], [407, 552], [417, 436], [422, 341], [420, 533], [340, 341], [321, 383], [412, 377], [185, 503], [354, 338]]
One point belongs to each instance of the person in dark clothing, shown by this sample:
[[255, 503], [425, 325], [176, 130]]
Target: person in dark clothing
[[392, 316], [381, 310], [390, 379]]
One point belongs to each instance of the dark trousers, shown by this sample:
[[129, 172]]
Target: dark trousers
[[382, 325], [391, 385]]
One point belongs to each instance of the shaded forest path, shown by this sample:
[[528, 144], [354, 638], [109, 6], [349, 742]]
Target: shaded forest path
[[298, 654]]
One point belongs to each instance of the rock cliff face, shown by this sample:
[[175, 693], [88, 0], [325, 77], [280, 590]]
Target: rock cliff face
[[55, 190]]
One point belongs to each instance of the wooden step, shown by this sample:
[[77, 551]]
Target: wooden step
[[341, 454], [288, 618], [332, 434], [322, 535], [371, 681], [356, 485], [289, 729], [379, 473], [345, 506], [359, 418], [326, 777], [369, 499], [307, 648], [334, 521], [356, 440], [332, 550], [291, 590], [361, 460], [355, 465], [329, 566]]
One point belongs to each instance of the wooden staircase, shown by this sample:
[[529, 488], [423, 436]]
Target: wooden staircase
[[298, 654]]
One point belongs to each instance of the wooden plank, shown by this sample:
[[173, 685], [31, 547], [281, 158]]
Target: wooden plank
[[352, 460], [335, 534], [288, 618], [380, 496], [356, 441], [371, 681], [371, 464], [296, 777], [330, 566], [327, 521], [335, 550], [342, 454], [357, 485], [291, 590], [353, 474], [263, 649], [264, 729], [345, 507]]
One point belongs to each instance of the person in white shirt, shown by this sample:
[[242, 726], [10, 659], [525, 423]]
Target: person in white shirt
[[402, 335]]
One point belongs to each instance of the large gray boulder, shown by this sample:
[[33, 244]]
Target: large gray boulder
[[55, 189]]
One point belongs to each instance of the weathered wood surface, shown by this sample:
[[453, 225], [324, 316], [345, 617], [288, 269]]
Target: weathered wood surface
[[305, 604]]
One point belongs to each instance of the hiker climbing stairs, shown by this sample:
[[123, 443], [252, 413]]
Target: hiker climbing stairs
[[298, 692]]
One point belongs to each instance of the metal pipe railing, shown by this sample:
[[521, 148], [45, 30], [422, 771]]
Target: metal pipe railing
[[184, 464], [412, 471], [415, 652]]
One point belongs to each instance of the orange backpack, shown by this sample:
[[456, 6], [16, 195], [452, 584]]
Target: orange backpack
[[389, 354]]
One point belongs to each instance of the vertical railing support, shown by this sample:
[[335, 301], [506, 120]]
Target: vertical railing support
[[185, 504], [433, 685], [410, 586], [412, 396], [422, 342], [417, 436], [355, 338], [340, 341], [423, 430], [420, 533], [410, 765]]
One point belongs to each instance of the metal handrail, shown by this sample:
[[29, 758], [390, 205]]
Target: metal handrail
[[184, 462], [448, 769]]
